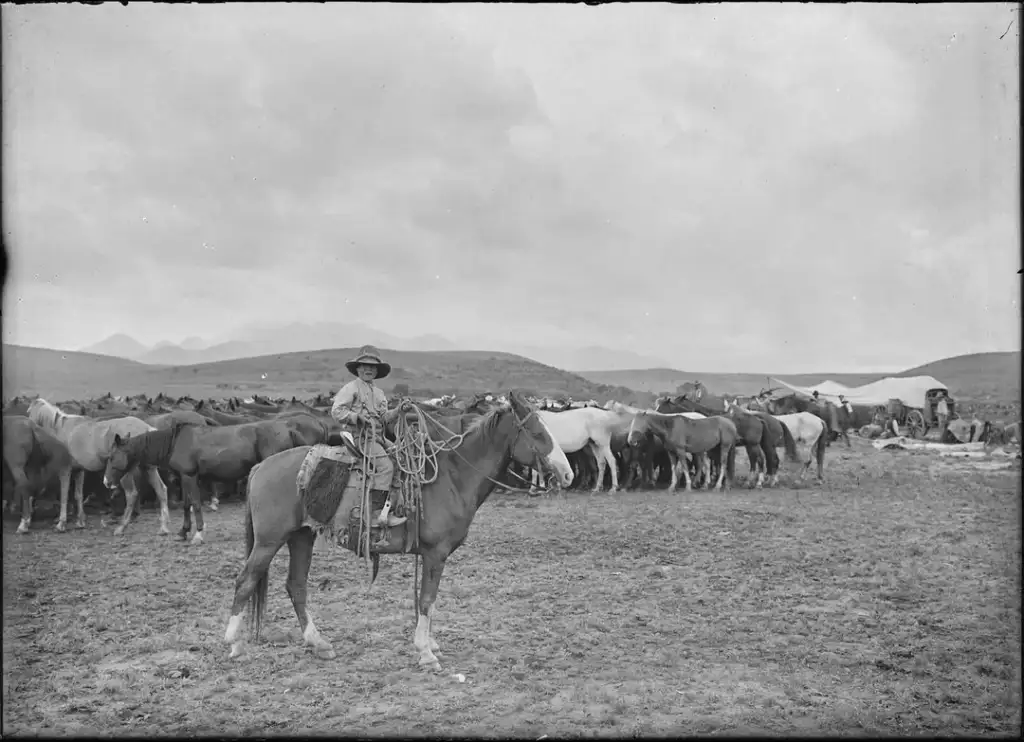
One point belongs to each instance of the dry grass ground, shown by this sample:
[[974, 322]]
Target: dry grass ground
[[886, 601]]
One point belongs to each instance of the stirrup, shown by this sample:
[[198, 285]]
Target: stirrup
[[385, 517]]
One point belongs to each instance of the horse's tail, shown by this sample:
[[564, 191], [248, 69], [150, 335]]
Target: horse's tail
[[790, 443], [836, 422], [730, 463], [822, 442], [250, 532]]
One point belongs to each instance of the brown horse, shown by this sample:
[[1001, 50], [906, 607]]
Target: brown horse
[[714, 436], [838, 419], [465, 477], [640, 458], [33, 456], [225, 453], [778, 435], [753, 434], [224, 418]]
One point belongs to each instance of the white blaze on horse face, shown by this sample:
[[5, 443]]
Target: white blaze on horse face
[[557, 459]]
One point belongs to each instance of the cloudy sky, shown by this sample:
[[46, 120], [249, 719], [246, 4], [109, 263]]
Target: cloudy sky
[[729, 187]]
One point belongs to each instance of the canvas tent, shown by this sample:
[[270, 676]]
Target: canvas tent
[[911, 390]]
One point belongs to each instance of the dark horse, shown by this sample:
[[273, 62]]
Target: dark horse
[[754, 435], [838, 419], [715, 436], [778, 435], [33, 456], [465, 477], [226, 453]]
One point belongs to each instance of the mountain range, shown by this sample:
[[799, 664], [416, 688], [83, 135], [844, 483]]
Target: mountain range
[[259, 340]]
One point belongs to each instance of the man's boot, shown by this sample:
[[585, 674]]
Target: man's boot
[[388, 519]]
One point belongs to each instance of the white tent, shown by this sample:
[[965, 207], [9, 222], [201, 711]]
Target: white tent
[[911, 390], [830, 387]]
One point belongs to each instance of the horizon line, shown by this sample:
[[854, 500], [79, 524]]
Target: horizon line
[[695, 374]]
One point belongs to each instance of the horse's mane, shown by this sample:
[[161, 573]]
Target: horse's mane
[[487, 421], [157, 443], [443, 427], [42, 412]]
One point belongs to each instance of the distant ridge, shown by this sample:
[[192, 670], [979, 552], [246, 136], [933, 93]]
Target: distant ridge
[[69, 374], [997, 373], [253, 340], [64, 375]]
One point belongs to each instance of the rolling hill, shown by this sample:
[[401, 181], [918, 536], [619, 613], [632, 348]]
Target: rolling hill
[[662, 380], [991, 379], [62, 375]]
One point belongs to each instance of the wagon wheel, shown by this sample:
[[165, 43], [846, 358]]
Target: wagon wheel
[[915, 423]]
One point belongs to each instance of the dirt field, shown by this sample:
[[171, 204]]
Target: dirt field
[[884, 602]]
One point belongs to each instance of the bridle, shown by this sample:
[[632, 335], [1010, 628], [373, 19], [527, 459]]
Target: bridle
[[520, 428]]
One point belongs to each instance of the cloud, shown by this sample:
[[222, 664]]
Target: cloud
[[713, 184]]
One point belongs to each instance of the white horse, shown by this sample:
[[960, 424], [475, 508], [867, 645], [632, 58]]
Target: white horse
[[589, 427], [90, 443], [811, 431]]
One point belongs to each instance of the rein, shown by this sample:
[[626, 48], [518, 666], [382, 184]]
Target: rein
[[414, 448]]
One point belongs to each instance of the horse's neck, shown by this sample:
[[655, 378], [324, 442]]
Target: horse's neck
[[63, 420], [479, 461], [153, 447]]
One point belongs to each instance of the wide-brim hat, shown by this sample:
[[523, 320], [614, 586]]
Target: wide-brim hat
[[369, 356]]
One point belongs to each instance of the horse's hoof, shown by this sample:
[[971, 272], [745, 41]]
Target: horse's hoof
[[325, 653], [237, 652], [21, 530], [430, 664], [119, 531], [59, 528], [197, 540], [80, 525]]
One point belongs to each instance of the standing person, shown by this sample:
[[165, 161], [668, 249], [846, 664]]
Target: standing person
[[360, 405], [942, 413]]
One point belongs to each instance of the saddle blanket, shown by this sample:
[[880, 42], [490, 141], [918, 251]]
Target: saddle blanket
[[343, 454]]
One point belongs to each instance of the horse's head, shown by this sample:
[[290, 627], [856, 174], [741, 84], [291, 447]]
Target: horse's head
[[643, 424], [671, 406], [534, 441], [119, 461]]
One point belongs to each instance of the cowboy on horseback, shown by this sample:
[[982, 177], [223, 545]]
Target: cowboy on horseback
[[362, 410]]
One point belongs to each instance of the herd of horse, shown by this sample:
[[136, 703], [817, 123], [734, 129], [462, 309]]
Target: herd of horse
[[501, 441]]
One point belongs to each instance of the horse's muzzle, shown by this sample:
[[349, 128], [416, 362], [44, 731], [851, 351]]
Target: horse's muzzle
[[109, 483]]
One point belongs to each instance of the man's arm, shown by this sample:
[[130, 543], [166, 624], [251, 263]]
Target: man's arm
[[342, 409]]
